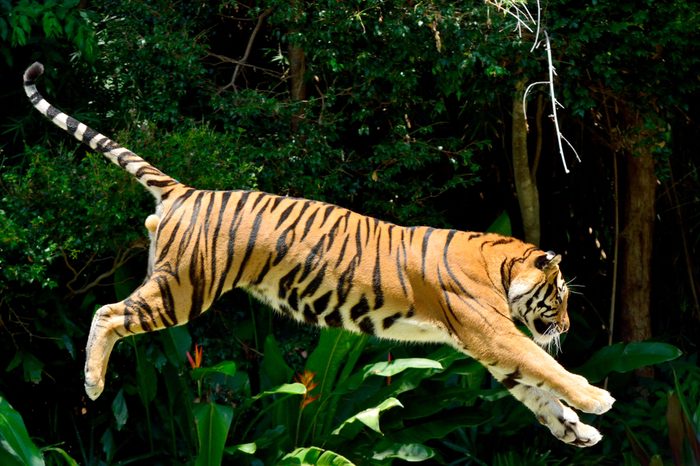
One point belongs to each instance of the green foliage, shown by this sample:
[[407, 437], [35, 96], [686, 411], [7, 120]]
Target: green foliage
[[16, 448], [54, 20], [406, 118]]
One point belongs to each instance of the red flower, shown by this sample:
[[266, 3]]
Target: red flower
[[307, 379], [197, 361]]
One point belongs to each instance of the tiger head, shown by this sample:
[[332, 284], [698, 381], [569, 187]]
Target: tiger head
[[538, 297]]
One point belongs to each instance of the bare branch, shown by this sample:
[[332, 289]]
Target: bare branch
[[248, 48]]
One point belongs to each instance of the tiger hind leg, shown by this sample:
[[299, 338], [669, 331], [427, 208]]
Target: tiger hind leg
[[147, 309]]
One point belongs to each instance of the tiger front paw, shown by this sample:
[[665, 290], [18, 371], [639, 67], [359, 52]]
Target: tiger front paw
[[588, 398], [569, 429]]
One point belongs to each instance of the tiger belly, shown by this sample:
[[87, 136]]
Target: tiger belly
[[356, 315]]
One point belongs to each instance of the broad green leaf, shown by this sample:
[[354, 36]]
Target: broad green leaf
[[213, 422], [622, 357], [390, 368], [247, 448], [15, 445], [328, 357], [120, 410], [501, 225], [262, 441], [146, 378], [225, 367], [440, 425], [176, 341], [274, 370], [314, 456], [68, 460], [370, 417], [411, 452], [287, 389]]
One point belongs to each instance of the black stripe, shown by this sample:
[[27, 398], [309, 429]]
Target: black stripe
[[225, 196], [367, 326], [52, 112], [309, 315], [309, 223], [287, 281], [313, 258], [359, 309], [169, 242], [511, 380], [377, 277], [251, 242], [334, 319], [326, 214], [424, 249], [275, 203], [282, 247], [285, 214], [387, 322], [263, 272], [168, 301], [72, 124], [321, 303], [35, 98], [293, 299], [314, 284], [88, 135]]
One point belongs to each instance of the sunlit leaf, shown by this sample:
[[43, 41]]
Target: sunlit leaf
[[626, 357], [369, 417], [15, 445], [314, 456], [213, 422]]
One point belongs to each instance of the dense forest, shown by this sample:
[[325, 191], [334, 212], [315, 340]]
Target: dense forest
[[570, 124]]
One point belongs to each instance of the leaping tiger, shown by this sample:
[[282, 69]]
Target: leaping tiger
[[326, 265]]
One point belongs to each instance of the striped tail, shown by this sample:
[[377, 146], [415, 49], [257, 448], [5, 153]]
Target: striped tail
[[153, 179]]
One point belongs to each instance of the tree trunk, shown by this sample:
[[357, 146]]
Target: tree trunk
[[297, 70], [525, 185], [636, 244]]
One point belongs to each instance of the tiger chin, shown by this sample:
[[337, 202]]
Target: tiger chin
[[328, 266]]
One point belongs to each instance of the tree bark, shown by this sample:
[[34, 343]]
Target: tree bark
[[297, 71], [636, 245], [525, 185]]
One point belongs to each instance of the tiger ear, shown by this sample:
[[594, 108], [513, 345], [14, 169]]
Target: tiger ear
[[547, 261]]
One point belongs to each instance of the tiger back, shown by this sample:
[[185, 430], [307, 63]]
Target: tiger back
[[325, 265]]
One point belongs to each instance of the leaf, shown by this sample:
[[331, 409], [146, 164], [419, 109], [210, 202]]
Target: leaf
[[370, 417], [119, 409], [68, 460], [501, 225], [314, 456], [287, 388], [274, 370], [390, 368], [176, 341], [146, 378], [622, 357], [15, 445], [247, 448], [440, 425], [411, 452], [213, 422], [227, 368]]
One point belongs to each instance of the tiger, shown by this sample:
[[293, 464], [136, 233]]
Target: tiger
[[325, 265]]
